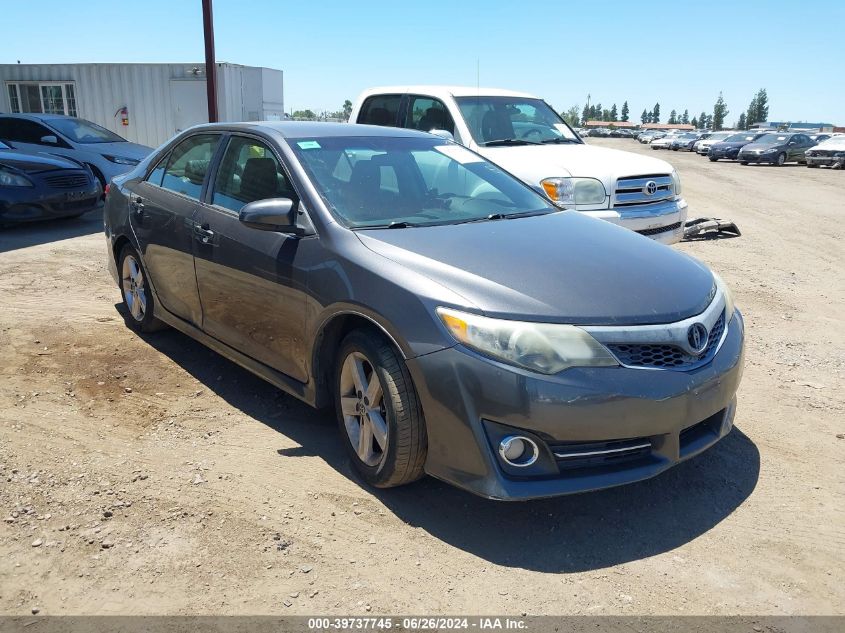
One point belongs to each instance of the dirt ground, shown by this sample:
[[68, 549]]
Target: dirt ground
[[147, 475]]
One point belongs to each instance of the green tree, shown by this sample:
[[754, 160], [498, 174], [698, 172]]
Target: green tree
[[673, 118], [571, 116], [742, 124], [709, 122], [762, 106], [694, 123], [751, 113], [614, 114], [347, 109], [625, 111], [308, 115], [720, 111], [585, 115], [655, 117], [598, 112], [644, 116], [702, 119], [605, 115], [685, 117]]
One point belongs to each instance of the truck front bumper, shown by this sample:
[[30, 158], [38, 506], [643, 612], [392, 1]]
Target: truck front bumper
[[662, 222]]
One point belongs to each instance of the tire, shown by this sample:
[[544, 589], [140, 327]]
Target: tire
[[812, 165], [712, 160], [137, 295], [388, 409], [780, 160], [743, 162]]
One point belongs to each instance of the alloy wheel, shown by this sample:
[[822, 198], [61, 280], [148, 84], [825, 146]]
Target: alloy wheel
[[363, 409], [134, 291]]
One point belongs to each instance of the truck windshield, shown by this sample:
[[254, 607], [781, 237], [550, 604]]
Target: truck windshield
[[404, 182], [513, 121]]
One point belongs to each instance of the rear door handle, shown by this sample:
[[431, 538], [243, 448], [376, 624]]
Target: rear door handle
[[137, 204], [204, 233]]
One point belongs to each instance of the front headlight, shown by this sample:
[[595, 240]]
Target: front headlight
[[121, 160], [11, 179], [771, 150], [729, 298], [547, 348], [568, 192], [676, 183]]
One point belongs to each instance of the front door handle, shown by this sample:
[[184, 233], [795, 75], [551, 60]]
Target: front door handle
[[137, 204], [204, 233]]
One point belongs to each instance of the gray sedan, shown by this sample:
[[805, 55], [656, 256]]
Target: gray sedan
[[459, 324]]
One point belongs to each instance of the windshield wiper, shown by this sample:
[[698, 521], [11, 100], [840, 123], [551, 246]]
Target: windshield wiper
[[509, 141], [561, 140], [393, 225]]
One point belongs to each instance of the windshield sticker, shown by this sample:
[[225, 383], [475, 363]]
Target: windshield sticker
[[458, 153], [308, 145]]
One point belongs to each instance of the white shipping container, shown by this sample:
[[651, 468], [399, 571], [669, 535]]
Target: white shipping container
[[159, 99]]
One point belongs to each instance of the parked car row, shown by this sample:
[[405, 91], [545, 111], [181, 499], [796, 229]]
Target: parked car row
[[753, 146]]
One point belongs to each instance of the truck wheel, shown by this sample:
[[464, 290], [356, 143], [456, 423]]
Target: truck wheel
[[378, 411]]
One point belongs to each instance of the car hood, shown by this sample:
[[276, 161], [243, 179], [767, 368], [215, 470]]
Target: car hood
[[124, 149], [756, 147], [833, 143], [562, 267], [731, 145], [533, 163], [34, 163]]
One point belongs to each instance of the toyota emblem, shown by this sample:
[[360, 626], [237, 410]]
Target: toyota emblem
[[650, 188], [697, 338]]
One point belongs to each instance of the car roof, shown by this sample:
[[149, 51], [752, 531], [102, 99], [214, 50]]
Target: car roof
[[313, 129], [37, 116], [444, 91]]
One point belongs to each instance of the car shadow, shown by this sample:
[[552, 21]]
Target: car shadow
[[28, 234], [565, 534]]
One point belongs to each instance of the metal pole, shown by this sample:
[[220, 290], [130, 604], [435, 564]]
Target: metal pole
[[210, 65]]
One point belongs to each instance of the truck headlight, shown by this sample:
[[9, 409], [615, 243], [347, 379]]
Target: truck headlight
[[676, 183], [568, 192], [546, 348]]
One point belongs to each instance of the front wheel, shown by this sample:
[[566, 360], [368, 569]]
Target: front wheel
[[743, 162], [137, 295], [812, 165], [712, 160], [378, 411], [781, 159]]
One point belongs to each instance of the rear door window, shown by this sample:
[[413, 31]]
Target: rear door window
[[381, 110], [23, 131], [188, 165], [426, 114]]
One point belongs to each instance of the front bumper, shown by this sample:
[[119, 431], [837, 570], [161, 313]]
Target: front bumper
[[662, 222], [468, 398], [729, 154], [825, 160], [757, 158], [25, 204]]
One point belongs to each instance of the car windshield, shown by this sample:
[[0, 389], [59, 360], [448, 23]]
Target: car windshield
[[772, 139], [736, 138], [82, 131], [399, 182], [513, 120]]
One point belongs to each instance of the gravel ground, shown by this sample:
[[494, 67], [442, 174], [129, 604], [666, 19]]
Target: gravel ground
[[147, 475]]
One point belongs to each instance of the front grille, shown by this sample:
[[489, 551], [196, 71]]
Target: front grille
[[827, 153], [633, 191], [610, 453], [68, 181], [661, 356], [660, 229]]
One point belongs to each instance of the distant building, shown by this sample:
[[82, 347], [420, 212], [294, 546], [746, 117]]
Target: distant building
[[145, 103], [793, 126]]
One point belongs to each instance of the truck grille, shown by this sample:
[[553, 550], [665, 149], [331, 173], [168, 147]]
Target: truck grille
[[634, 191], [68, 181], [660, 356], [660, 229]]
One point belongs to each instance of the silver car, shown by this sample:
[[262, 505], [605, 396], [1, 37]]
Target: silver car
[[107, 154]]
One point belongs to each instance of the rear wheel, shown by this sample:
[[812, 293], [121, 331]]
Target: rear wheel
[[812, 165], [137, 295], [743, 162], [378, 411], [780, 160], [712, 160]]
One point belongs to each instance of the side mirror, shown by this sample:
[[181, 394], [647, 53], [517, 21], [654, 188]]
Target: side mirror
[[443, 134], [50, 139], [273, 214]]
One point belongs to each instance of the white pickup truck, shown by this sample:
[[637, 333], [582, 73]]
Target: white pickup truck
[[524, 135]]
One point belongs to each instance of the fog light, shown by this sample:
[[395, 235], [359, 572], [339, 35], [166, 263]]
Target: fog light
[[518, 451]]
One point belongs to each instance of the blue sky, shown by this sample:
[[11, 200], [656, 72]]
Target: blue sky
[[678, 53]]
